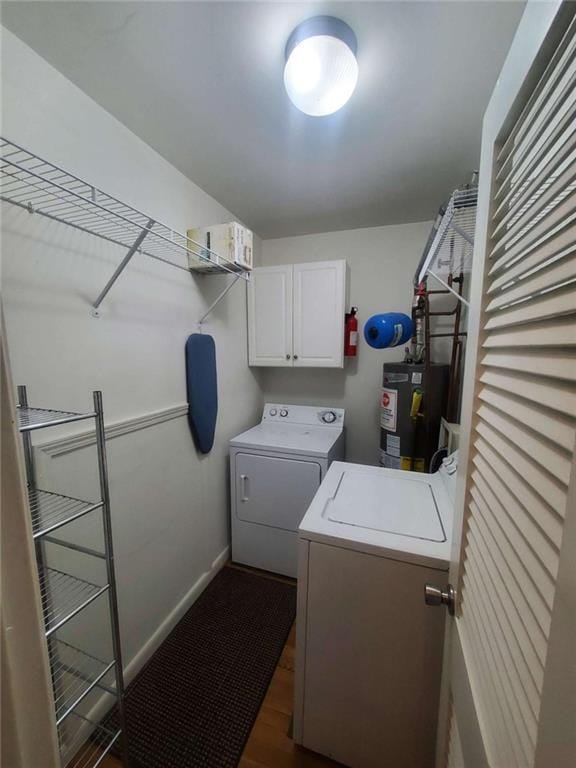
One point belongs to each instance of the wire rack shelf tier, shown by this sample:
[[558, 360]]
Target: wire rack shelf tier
[[30, 419], [91, 752], [50, 511], [64, 595], [74, 674], [452, 248], [39, 186]]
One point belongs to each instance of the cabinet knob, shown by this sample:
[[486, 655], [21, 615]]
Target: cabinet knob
[[287, 357]]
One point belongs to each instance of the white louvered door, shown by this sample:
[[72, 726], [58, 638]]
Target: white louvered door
[[515, 523]]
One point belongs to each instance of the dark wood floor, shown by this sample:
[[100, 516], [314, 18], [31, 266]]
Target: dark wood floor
[[269, 745]]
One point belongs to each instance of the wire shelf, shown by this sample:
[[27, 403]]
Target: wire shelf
[[452, 248], [86, 751], [41, 187], [63, 596], [74, 675], [37, 418], [50, 511]]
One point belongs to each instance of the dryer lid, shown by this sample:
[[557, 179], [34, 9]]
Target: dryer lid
[[396, 505], [289, 438]]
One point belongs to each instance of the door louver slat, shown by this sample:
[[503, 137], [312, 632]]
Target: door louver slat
[[558, 396], [559, 332], [550, 458], [557, 429], [521, 690], [555, 70], [498, 700], [509, 266], [547, 193], [557, 302], [539, 577], [542, 482], [540, 228], [532, 640], [521, 454], [557, 365], [527, 266], [552, 161], [561, 271], [541, 512]]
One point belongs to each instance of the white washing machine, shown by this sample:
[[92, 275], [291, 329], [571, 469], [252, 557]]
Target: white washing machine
[[369, 650], [275, 470]]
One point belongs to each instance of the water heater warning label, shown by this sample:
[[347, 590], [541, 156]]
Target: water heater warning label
[[388, 409]]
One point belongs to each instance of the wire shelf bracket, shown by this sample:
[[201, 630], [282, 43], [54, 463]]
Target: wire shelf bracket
[[121, 267], [217, 301], [38, 186]]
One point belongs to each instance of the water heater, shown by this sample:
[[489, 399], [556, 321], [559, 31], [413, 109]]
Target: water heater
[[412, 403]]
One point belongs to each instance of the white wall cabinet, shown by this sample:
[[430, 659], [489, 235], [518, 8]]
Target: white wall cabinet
[[296, 315]]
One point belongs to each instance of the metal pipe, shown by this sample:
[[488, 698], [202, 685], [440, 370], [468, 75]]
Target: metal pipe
[[112, 595], [120, 268], [452, 395], [217, 301], [445, 313]]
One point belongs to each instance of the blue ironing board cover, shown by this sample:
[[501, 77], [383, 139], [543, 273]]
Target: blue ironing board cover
[[202, 389]]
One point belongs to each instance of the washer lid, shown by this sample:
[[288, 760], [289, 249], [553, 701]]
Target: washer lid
[[396, 505]]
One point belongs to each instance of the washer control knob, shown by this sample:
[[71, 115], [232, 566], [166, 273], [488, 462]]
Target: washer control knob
[[329, 417], [273, 411], [283, 412]]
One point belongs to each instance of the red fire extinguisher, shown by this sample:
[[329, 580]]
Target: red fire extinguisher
[[351, 333]]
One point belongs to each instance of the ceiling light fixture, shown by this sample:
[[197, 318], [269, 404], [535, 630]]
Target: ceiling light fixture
[[321, 70]]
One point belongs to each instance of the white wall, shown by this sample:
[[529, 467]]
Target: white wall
[[169, 505], [382, 262]]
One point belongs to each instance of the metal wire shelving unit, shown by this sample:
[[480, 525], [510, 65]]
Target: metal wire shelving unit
[[91, 754], [75, 673], [38, 186], [452, 247]]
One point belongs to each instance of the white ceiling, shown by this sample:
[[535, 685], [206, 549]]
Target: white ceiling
[[201, 82]]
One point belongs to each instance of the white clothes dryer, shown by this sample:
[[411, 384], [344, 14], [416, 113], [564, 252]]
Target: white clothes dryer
[[275, 469]]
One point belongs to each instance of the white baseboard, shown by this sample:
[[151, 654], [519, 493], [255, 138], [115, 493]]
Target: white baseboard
[[155, 640]]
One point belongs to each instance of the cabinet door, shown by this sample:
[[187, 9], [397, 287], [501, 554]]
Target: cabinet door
[[373, 657], [319, 296], [270, 316]]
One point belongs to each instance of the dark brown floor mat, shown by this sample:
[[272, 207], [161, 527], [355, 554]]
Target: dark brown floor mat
[[194, 703]]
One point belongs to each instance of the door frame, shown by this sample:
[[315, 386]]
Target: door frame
[[29, 735], [539, 31]]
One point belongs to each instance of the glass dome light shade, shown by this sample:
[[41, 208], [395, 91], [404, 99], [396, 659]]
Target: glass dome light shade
[[321, 70]]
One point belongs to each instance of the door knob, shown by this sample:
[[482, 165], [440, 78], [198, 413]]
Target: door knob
[[435, 596], [287, 357]]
